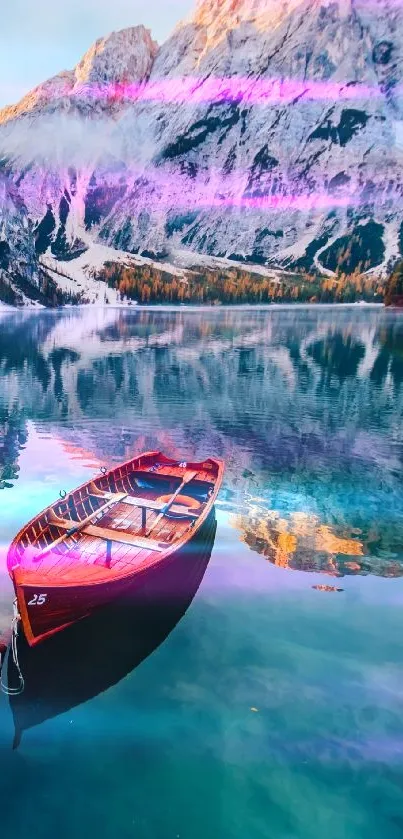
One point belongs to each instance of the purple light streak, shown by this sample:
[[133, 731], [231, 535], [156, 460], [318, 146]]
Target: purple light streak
[[157, 190], [277, 202], [253, 91], [193, 90]]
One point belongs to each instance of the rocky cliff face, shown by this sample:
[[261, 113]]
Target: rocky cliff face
[[260, 131], [19, 278]]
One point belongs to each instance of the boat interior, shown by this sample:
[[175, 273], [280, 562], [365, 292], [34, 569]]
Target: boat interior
[[117, 521]]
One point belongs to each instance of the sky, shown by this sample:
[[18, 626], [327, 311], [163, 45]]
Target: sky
[[39, 38]]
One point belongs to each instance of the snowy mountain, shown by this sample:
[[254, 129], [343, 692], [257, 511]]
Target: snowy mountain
[[261, 131]]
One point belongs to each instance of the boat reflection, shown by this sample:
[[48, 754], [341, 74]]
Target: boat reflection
[[95, 654], [301, 542]]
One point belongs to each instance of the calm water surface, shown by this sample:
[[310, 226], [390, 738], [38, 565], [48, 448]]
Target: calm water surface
[[274, 706]]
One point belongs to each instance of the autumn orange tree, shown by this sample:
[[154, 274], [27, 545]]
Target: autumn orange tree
[[235, 285]]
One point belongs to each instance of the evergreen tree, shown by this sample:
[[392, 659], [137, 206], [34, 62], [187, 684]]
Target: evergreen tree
[[394, 287]]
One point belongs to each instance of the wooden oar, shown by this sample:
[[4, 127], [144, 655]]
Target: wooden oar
[[77, 526], [188, 476]]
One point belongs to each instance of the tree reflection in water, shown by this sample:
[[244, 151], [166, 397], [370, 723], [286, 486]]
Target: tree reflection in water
[[302, 543], [13, 436]]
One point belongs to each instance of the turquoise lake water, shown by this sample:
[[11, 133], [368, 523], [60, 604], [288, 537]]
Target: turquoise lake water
[[269, 701]]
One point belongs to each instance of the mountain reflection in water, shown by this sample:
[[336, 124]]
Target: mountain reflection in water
[[304, 404]]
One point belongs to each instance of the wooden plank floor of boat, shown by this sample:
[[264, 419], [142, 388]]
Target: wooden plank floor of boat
[[86, 559]]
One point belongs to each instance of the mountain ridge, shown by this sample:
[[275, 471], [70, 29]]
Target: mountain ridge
[[259, 131]]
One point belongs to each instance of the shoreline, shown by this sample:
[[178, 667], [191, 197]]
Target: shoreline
[[197, 307]]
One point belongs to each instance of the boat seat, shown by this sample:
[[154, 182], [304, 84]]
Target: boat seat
[[109, 535], [146, 503], [124, 538]]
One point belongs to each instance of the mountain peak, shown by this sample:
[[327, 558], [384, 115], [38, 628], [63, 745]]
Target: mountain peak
[[223, 15], [220, 16], [124, 55]]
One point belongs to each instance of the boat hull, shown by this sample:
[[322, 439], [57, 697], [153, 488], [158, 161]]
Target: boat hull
[[49, 609]]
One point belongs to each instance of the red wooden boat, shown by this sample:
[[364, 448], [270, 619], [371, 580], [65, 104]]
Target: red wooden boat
[[110, 535]]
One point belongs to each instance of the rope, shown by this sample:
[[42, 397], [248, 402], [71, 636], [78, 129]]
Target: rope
[[14, 651], [157, 466]]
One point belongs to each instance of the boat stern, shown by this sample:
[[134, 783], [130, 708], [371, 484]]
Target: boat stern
[[45, 610]]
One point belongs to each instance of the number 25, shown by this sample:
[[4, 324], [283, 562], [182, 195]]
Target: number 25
[[38, 600]]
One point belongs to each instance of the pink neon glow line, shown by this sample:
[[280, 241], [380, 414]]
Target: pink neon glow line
[[165, 188], [157, 191], [192, 90]]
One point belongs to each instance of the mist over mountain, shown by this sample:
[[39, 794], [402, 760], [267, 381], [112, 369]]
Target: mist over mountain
[[262, 132]]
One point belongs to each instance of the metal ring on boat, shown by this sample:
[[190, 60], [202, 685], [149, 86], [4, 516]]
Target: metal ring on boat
[[103, 470], [62, 494], [181, 500]]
